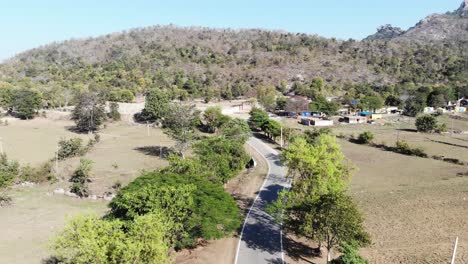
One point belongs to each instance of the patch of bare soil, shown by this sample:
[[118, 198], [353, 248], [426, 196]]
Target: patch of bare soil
[[243, 188]]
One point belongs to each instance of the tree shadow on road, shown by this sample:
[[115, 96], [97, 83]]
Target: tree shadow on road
[[261, 231]]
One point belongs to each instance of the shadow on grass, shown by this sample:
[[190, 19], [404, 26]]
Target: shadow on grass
[[157, 151], [407, 130], [448, 143], [51, 260]]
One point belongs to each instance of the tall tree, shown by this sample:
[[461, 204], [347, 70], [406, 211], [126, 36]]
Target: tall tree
[[180, 122], [89, 113], [214, 118], [157, 104], [26, 103], [266, 95]]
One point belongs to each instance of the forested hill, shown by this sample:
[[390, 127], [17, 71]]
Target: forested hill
[[230, 63]]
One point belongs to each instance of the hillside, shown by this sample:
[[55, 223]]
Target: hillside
[[231, 63], [449, 27]]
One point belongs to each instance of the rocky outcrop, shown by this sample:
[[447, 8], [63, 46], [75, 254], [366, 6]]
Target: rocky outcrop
[[386, 32]]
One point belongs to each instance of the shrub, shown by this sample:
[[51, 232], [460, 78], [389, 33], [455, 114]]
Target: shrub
[[114, 113], [404, 148], [214, 118], [350, 255], [70, 148], [43, 173], [8, 171], [365, 137], [426, 123], [80, 178]]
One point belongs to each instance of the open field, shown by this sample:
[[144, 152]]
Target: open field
[[34, 141], [122, 153], [34, 218], [415, 207]]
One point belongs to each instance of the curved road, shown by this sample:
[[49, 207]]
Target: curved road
[[261, 238]]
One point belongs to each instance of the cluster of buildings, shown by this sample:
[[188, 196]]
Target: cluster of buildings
[[460, 106], [351, 116]]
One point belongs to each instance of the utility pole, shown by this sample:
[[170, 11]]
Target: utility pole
[[454, 251], [56, 160], [147, 128], [452, 127], [281, 138]]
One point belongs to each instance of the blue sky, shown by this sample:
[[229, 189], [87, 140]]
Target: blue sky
[[26, 24]]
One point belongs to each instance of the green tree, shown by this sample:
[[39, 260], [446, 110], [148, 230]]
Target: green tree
[[266, 95], [236, 128], [70, 148], [80, 178], [114, 113], [202, 208], [351, 254], [281, 102], [318, 84], [89, 113], [271, 128], [180, 122], [8, 171], [214, 118], [157, 103], [426, 123], [334, 219], [258, 117], [6, 94], [26, 103], [321, 104], [88, 239], [365, 137], [393, 100], [372, 103], [224, 157], [126, 96], [414, 106], [316, 168], [436, 100]]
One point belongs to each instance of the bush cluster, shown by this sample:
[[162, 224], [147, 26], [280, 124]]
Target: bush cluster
[[404, 148]]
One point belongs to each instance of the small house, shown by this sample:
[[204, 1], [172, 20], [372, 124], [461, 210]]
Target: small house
[[460, 109], [376, 116], [429, 110], [317, 122], [355, 119]]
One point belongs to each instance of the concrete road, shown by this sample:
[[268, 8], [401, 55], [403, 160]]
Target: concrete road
[[261, 238]]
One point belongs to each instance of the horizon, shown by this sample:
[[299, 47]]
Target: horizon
[[42, 23]]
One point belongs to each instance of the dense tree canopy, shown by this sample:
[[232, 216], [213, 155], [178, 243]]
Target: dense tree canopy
[[202, 208]]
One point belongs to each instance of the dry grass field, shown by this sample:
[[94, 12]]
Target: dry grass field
[[28, 225]]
